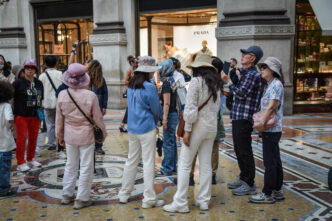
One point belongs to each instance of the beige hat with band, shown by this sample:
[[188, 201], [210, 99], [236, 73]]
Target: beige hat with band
[[202, 60]]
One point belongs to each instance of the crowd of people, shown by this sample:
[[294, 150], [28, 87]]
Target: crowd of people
[[159, 95]]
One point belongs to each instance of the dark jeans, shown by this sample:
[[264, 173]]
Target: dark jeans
[[169, 144], [273, 176], [98, 145], [5, 166], [241, 131]]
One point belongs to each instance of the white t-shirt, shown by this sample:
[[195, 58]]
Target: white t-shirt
[[49, 93], [7, 142]]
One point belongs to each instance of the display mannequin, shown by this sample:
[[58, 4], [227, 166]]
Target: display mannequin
[[205, 50]]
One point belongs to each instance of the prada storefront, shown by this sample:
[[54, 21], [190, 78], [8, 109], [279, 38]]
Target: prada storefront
[[177, 29]]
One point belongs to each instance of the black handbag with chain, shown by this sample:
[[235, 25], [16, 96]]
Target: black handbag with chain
[[99, 136]]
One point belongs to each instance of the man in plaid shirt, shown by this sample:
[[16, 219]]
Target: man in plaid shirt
[[246, 99]]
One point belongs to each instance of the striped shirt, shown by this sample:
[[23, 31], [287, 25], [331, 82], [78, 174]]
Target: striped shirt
[[246, 95]]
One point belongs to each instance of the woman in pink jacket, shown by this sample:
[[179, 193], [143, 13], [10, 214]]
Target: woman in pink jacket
[[74, 130]]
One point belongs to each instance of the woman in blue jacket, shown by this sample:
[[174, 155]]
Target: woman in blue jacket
[[144, 112]]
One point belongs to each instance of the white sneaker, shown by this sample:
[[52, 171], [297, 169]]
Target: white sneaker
[[202, 206], [34, 163], [62, 155], [23, 167], [172, 208], [147, 205], [123, 199]]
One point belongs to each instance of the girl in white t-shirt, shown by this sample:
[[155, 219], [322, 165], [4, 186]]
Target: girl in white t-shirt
[[7, 142]]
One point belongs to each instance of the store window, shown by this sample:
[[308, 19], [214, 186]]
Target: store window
[[56, 38], [178, 34], [313, 59]]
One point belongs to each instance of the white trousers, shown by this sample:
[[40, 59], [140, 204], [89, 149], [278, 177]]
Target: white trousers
[[50, 125], [79, 156], [140, 145], [201, 141]]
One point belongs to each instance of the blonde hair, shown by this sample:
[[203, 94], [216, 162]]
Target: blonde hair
[[95, 72]]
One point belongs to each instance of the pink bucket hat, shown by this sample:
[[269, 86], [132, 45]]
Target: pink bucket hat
[[30, 63], [75, 76]]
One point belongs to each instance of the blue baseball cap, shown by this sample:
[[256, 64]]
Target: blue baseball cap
[[255, 50]]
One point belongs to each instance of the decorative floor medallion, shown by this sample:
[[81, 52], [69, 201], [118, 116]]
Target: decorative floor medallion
[[45, 184]]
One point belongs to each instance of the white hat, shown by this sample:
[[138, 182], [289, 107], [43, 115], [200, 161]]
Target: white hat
[[202, 60], [147, 64], [273, 63]]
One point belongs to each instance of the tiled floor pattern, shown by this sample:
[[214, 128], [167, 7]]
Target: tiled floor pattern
[[307, 198]]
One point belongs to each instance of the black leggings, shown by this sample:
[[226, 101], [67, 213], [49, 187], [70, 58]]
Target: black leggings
[[125, 117]]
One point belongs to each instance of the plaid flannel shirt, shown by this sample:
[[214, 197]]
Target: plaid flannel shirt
[[246, 95]]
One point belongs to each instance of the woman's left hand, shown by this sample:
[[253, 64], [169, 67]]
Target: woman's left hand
[[103, 111], [186, 138], [260, 127]]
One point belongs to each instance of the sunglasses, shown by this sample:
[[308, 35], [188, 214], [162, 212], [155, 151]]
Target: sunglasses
[[263, 66], [30, 68]]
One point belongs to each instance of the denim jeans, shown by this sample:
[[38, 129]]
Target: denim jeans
[[273, 176], [5, 166], [169, 144]]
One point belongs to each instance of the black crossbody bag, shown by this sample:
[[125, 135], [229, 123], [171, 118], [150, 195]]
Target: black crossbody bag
[[99, 137]]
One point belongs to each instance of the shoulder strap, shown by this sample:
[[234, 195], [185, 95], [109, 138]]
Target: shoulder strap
[[49, 78], [78, 107], [205, 103], [139, 101]]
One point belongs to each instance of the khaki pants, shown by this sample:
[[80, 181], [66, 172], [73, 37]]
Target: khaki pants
[[214, 160]]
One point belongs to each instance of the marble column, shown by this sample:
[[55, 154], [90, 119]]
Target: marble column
[[13, 43], [268, 24], [113, 39]]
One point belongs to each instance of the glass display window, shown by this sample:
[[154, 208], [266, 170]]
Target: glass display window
[[313, 58], [178, 34], [57, 38]]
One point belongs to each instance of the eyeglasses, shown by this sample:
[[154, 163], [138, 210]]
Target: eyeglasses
[[244, 54], [263, 66]]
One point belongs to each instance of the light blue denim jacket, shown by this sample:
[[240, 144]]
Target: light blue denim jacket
[[142, 119]]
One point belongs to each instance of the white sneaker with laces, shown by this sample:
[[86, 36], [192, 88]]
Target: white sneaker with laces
[[34, 163], [23, 167], [147, 205], [172, 208]]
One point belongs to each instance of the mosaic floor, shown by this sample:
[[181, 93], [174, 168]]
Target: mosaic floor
[[306, 151]]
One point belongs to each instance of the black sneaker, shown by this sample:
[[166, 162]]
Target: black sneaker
[[99, 151], [214, 181], [191, 181], [9, 194]]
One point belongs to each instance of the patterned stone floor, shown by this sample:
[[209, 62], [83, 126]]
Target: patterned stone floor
[[306, 151]]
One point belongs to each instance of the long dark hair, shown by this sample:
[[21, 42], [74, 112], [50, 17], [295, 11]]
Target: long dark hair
[[212, 79], [6, 68], [136, 82]]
